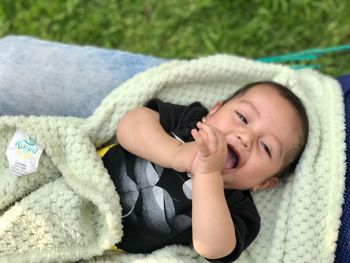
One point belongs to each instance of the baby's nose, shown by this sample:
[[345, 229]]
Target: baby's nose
[[240, 138], [246, 140]]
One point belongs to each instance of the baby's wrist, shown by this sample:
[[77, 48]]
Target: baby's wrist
[[208, 174], [183, 157], [211, 178]]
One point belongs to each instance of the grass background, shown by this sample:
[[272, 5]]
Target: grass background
[[188, 28]]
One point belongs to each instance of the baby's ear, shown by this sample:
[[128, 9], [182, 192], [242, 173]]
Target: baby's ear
[[267, 184], [215, 108]]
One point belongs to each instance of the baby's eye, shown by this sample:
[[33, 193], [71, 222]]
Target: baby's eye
[[266, 148], [242, 118]]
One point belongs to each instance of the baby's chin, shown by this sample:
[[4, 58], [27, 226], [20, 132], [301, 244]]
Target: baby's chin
[[230, 180], [226, 171]]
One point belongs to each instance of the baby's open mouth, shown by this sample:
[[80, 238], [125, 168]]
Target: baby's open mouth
[[232, 158]]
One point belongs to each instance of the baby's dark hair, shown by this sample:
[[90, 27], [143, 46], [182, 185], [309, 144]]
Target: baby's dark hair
[[298, 106]]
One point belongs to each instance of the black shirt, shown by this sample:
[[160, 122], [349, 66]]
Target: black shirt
[[156, 201]]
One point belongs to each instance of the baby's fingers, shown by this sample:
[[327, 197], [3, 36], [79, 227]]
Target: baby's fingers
[[202, 146], [216, 140], [213, 136]]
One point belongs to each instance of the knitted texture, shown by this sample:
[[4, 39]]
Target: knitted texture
[[68, 210]]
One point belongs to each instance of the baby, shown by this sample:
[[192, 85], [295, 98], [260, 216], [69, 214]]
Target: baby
[[184, 174]]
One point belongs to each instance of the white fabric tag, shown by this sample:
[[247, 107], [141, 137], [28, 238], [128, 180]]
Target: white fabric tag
[[23, 154]]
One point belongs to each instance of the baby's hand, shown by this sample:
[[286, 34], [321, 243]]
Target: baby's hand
[[211, 149]]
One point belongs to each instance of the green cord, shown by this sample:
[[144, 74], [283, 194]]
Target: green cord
[[307, 55]]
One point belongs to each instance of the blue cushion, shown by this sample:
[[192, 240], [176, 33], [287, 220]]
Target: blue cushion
[[46, 78], [343, 244]]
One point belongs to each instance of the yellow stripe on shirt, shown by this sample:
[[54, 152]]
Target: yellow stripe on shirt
[[101, 152]]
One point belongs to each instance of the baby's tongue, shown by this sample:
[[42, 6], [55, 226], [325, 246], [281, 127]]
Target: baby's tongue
[[231, 159]]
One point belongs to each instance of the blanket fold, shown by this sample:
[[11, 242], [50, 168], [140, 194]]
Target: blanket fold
[[68, 210]]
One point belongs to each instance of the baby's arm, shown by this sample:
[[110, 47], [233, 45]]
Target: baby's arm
[[213, 228], [141, 133]]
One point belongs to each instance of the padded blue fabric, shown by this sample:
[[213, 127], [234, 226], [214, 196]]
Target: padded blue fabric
[[343, 245], [47, 78]]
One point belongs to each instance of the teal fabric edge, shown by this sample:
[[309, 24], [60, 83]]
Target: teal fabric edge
[[306, 56]]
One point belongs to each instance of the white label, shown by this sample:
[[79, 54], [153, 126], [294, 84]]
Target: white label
[[23, 154]]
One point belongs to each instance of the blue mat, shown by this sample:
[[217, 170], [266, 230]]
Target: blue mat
[[343, 246]]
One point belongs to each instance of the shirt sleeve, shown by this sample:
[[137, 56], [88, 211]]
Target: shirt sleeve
[[246, 220], [178, 119]]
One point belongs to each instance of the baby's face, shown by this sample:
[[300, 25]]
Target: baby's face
[[261, 128]]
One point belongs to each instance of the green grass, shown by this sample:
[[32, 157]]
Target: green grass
[[187, 28]]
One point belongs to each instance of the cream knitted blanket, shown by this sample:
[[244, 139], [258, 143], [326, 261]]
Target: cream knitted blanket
[[68, 210]]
